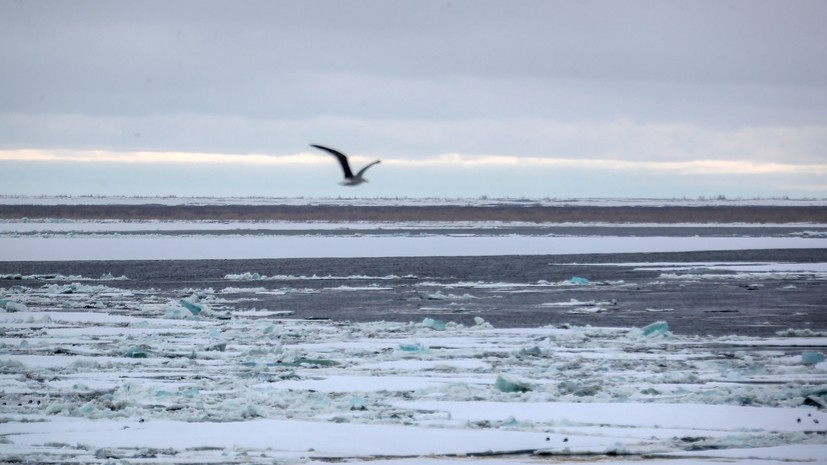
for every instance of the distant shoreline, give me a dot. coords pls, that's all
(670, 214)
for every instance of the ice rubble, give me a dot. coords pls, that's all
(439, 295)
(60, 277)
(132, 380)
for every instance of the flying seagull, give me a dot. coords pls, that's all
(350, 178)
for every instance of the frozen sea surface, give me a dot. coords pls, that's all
(149, 381)
(710, 350)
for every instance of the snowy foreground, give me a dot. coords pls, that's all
(94, 374)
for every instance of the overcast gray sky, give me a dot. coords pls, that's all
(458, 98)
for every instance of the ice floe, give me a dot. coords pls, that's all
(250, 247)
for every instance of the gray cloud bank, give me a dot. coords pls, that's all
(632, 80)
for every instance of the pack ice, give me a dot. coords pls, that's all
(105, 375)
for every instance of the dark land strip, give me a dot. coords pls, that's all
(528, 213)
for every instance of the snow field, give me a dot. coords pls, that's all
(115, 247)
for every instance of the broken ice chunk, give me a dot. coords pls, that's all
(506, 383)
(357, 403)
(12, 306)
(318, 362)
(437, 325)
(431, 295)
(218, 347)
(817, 400)
(439, 295)
(244, 277)
(658, 328)
(579, 280)
(411, 347)
(194, 308)
(579, 389)
(139, 351)
(811, 357)
(479, 322)
(532, 352)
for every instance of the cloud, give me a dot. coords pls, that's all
(430, 60)
(453, 161)
(620, 140)
(160, 158)
(693, 167)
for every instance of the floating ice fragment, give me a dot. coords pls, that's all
(357, 403)
(807, 332)
(578, 389)
(299, 362)
(12, 306)
(506, 383)
(219, 347)
(194, 308)
(479, 322)
(817, 400)
(586, 310)
(243, 277)
(811, 357)
(579, 280)
(24, 344)
(439, 295)
(437, 325)
(658, 328)
(319, 362)
(411, 347)
(139, 351)
(532, 352)
(432, 295)
(174, 311)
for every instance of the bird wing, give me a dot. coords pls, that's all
(341, 157)
(362, 171)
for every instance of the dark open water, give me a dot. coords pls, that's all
(507, 291)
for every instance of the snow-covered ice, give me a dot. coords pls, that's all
(250, 247)
(127, 382)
